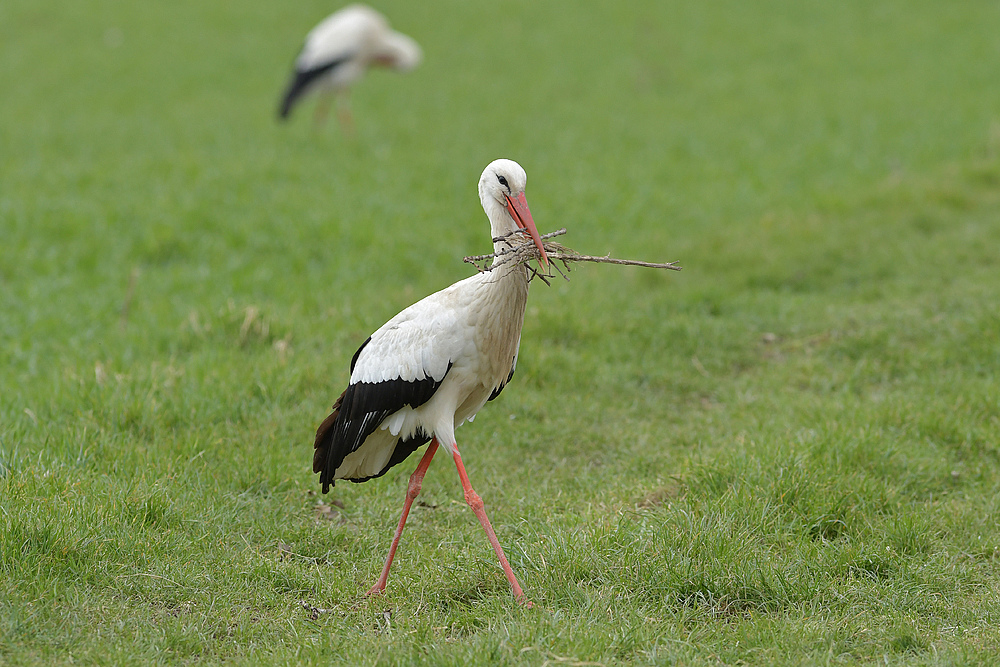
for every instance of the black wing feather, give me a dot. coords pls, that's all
(358, 413)
(354, 359)
(300, 83)
(496, 392)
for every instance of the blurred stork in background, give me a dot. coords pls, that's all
(338, 51)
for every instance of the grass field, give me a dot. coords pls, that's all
(789, 453)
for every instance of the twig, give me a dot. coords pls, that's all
(607, 259)
(314, 612)
(129, 293)
(526, 251)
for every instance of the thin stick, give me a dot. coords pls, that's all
(129, 293)
(607, 259)
(314, 612)
(526, 251)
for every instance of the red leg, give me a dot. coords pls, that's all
(476, 503)
(412, 491)
(344, 113)
(322, 108)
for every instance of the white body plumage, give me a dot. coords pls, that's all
(435, 364)
(466, 337)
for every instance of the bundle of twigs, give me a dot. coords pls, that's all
(520, 249)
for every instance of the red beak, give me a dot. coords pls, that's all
(518, 209)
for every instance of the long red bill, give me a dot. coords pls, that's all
(518, 209)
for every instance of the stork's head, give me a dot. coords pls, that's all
(396, 50)
(501, 190)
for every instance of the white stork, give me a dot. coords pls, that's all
(339, 50)
(432, 367)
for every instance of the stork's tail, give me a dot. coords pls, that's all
(324, 440)
(296, 88)
(302, 81)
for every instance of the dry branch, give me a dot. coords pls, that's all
(524, 251)
(314, 612)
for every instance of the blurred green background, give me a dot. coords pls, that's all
(785, 453)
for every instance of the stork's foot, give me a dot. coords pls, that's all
(375, 590)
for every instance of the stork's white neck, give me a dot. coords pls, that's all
(500, 221)
(502, 180)
(514, 273)
(502, 297)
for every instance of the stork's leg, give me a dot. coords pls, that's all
(322, 108)
(412, 491)
(476, 503)
(344, 112)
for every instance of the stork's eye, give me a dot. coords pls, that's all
(503, 181)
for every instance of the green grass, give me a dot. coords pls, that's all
(787, 453)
